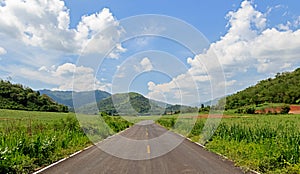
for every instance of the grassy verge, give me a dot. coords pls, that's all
(31, 140)
(265, 143)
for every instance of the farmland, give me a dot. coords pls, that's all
(30, 140)
(265, 143)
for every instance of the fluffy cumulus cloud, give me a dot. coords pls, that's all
(64, 77)
(146, 64)
(37, 35)
(45, 24)
(181, 89)
(68, 76)
(249, 44)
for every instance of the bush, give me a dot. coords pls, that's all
(245, 110)
(285, 109)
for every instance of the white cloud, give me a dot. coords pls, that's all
(44, 68)
(284, 26)
(37, 35)
(182, 89)
(2, 51)
(62, 76)
(46, 24)
(248, 45)
(133, 66)
(72, 77)
(100, 31)
(146, 64)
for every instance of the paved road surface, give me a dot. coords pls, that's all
(142, 149)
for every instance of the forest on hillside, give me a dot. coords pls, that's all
(283, 88)
(18, 97)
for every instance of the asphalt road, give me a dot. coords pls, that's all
(142, 149)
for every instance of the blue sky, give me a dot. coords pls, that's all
(56, 44)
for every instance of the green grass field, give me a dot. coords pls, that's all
(31, 140)
(265, 143)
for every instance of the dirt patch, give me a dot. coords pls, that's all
(295, 109)
(269, 110)
(209, 116)
(11, 119)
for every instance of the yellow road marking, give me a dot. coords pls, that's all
(148, 149)
(147, 132)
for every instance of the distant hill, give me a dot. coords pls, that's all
(129, 104)
(133, 104)
(16, 96)
(283, 88)
(86, 97)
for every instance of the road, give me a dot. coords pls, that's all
(145, 148)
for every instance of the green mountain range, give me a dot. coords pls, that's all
(66, 97)
(133, 104)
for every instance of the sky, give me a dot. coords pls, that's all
(175, 51)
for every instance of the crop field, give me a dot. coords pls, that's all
(265, 143)
(31, 140)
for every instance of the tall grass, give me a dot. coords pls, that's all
(30, 140)
(269, 144)
(27, 144)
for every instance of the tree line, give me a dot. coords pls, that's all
(18, 97)
(283, 88)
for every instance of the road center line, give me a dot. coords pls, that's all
(148, 149)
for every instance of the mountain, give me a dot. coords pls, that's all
(121, 101)
(133, 104)
(283, 88)
(129, 104)
(16, 96)
(66, 98)
(126, 103)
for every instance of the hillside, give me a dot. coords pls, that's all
(15, 96)
(65, 97)
(129, 104)
(134, 104)
(283, 88)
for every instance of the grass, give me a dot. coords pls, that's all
(31, 140)
(265, 143)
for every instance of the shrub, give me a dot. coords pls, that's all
(285, 109)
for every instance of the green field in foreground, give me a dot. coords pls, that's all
(30, 140)
(265, 143)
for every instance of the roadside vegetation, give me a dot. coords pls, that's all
(257, 132)
(30, 140)
(265, 143)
